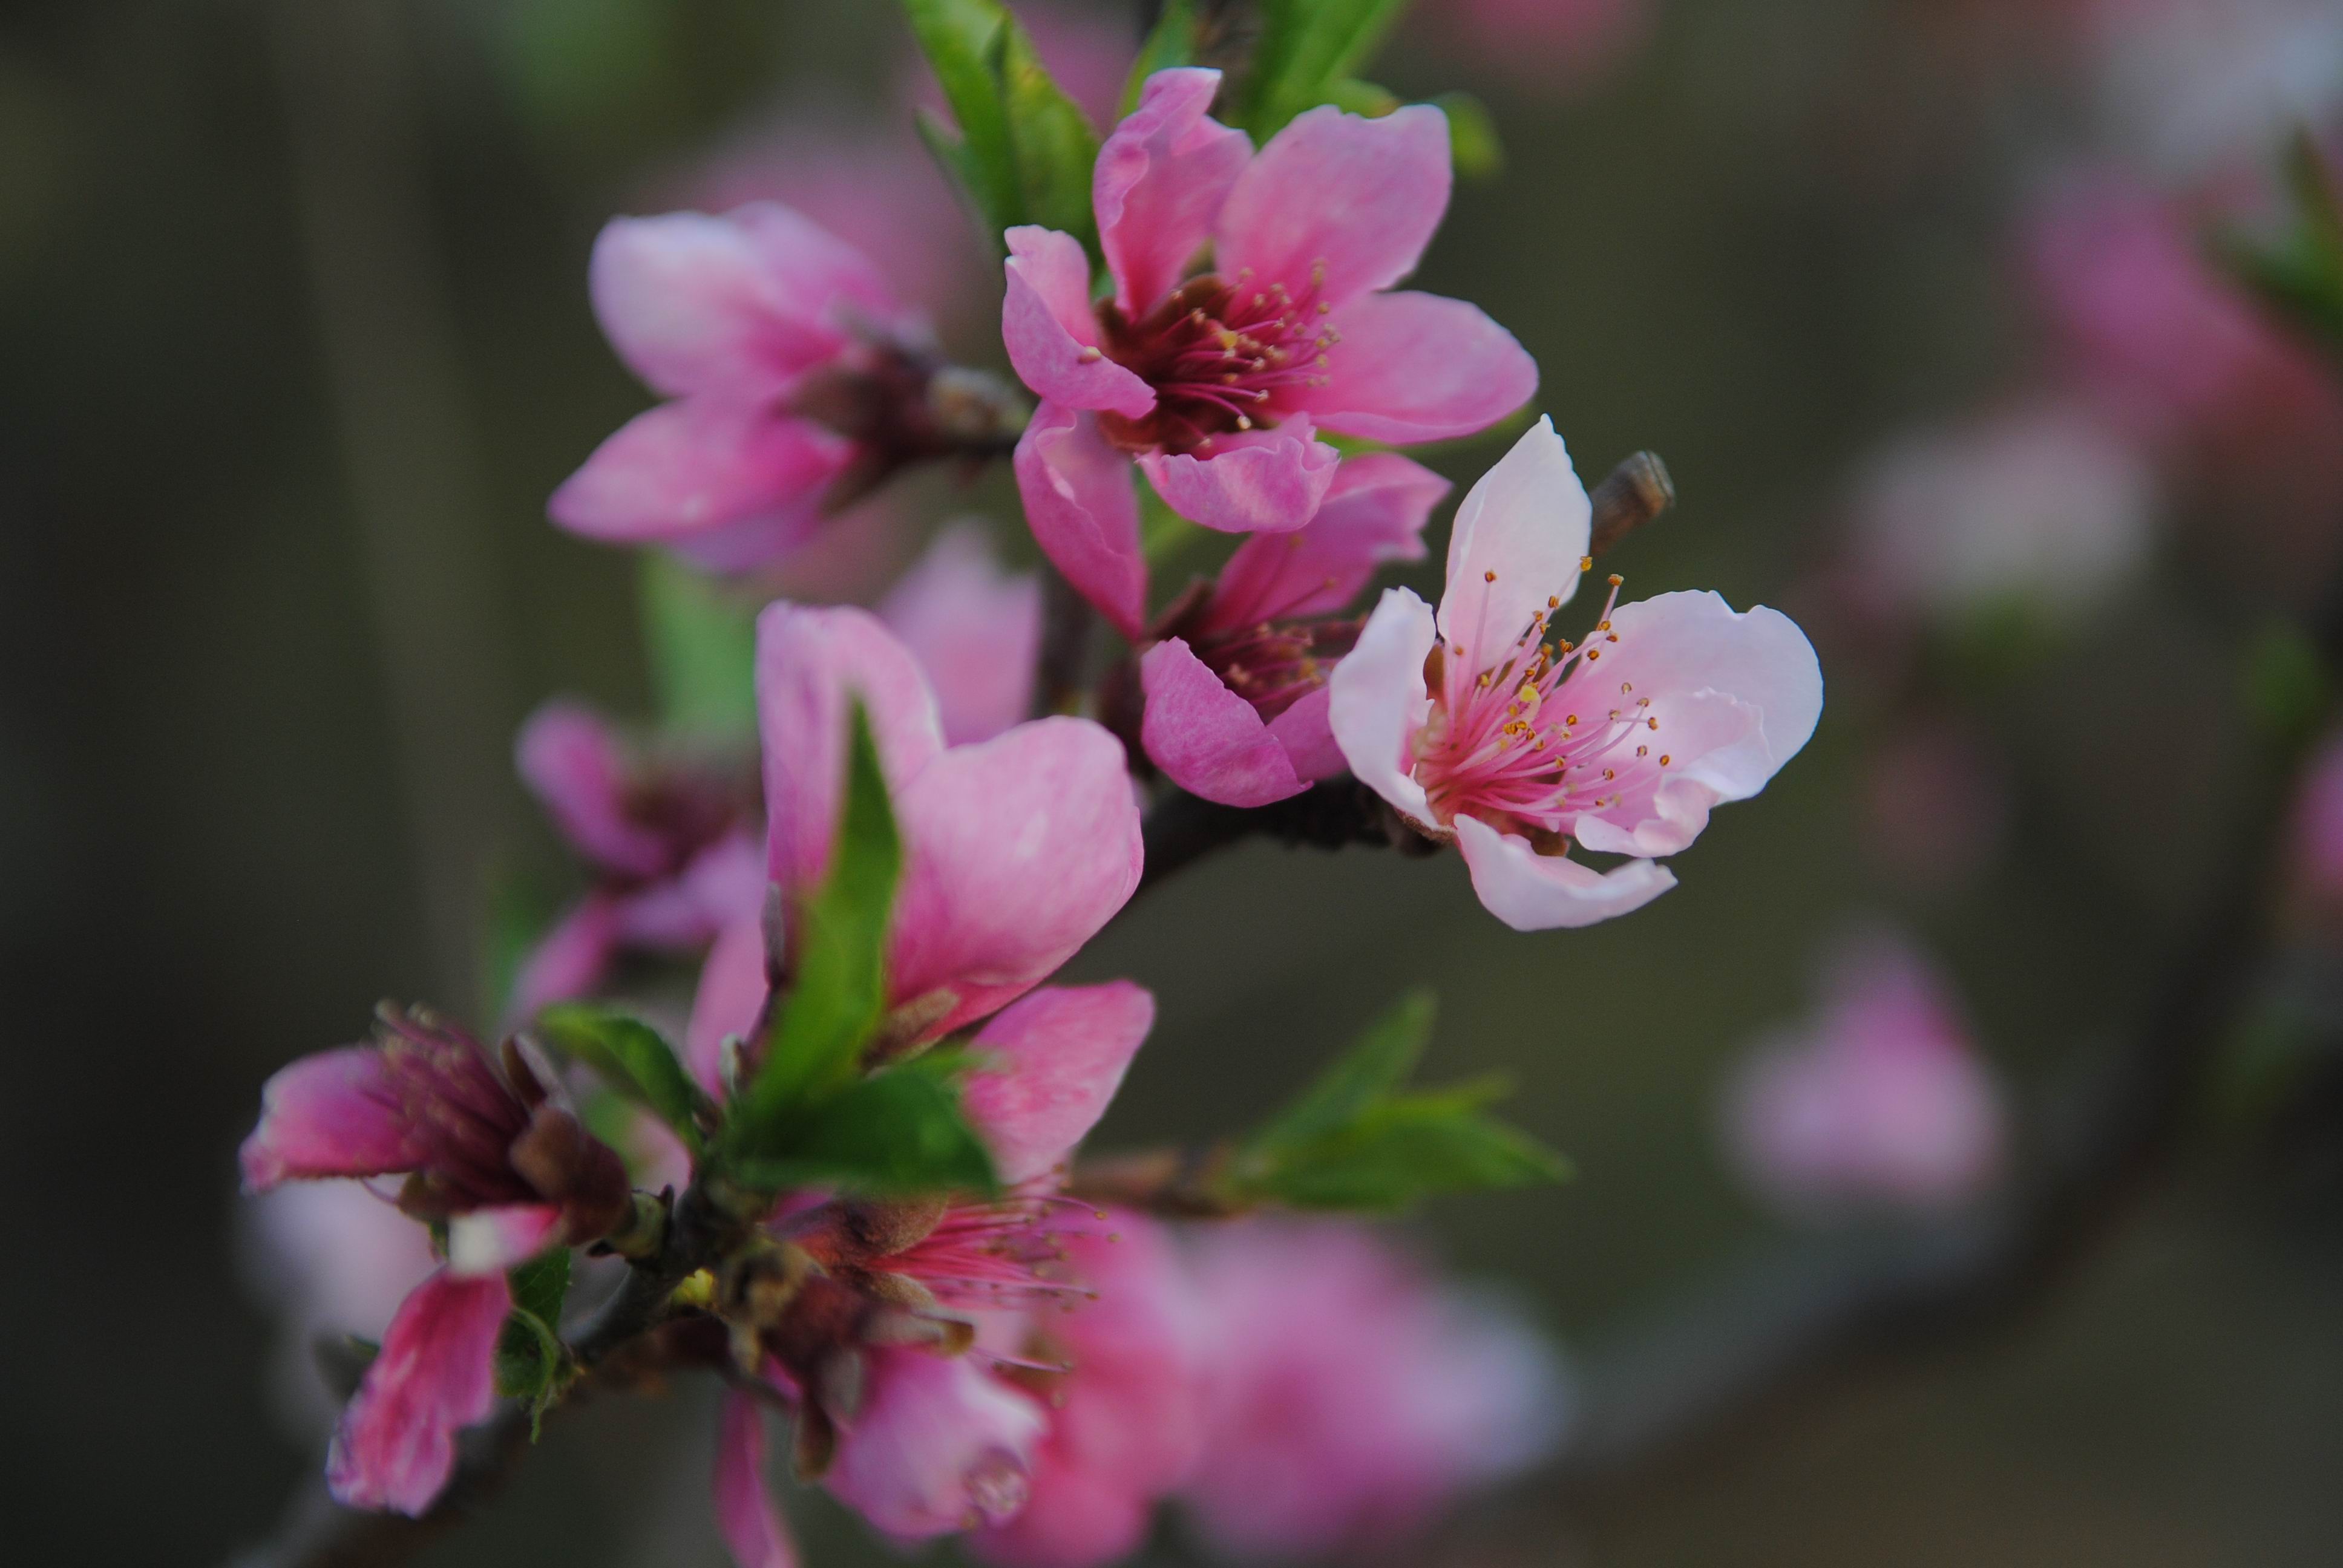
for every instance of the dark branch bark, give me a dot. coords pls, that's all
(1181, 829)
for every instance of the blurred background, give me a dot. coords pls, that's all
(293, 308)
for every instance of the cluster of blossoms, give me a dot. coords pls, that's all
(1019, 1361)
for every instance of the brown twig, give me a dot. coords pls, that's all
(1181, 829)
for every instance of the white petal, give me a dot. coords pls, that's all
(1534, 892)
(1517, 541)
(1377, 698)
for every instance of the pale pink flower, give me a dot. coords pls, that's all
(671, 841)
(747, 322)
(745, 1513)
(2183, 85)
(1478, 731)
(1016, 850)
(2317, 840)
(396, 1445)
(975, 629)
(1235, 683)
(329, 1259)
(1216, 385)
(2042, 504)
(1348, 1396)
(1880, 1100)
(939, 1445)
(1126, 1415)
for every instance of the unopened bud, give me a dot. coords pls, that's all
(1638, 490)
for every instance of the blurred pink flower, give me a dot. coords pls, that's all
(1475, 731)
(2317, 836)
(1235, 690)
(329, 1259)
(1216, 385)
(1880, 1100)
(1126, 1416)
(2183, 86)
(1017, 848)
(741, 320)
(396, 1445)
(2041, 505)
(1348, 1396)
(975, 629)
(939, 1445)
(1550, 47)
(671, 841)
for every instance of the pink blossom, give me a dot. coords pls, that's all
(671, 842)
(1236, 686)
(975, 629)
(1016, 850)
(745, 1513)
(2042, 504)
(1477, 731)
(329, 1259)
(1216, 385)
(743, 321)
(1880, 1100)
(1348, 1397)
(1126, 1415)
(2317, 840)
(396, 1445)
(485, 1143)
(939, 1445)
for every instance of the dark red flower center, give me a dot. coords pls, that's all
(1220, 357)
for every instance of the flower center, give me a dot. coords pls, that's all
(1219, 355)
(1273, 666)
(1527, 745)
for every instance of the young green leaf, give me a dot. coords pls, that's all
(635, 1059)
(898, 1131)
(1307, 47)
(837, 990)
(2300, 274)
(530, 1359)
(703, 650)
(1370, 1071)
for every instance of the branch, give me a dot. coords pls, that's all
(1181, 829)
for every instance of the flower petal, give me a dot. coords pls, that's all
(1359, 198)
(1052, 1060)
(809, 663)
(1306, 730)
(699, 468)
(731, 994)
(1375, 511)
(745, 1513)
(1689, 643)
(1261, 481)
(1207, 739)
(937, 1445)
(331, 1115)
(1159, 183)
(569, 960)
(1017, 852)
(396, 1444)
(490, 1241)
(1409, 366)
(1516, 543)
(1377, 700)
(1534, 892)
(974, 628)
(692, 304)
(1050, 332)
(572, 762)
(1084, 513)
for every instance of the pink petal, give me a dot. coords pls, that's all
(810, 662)
(1052, 1060)
(573, 763)
(974, 628)
(1263, 481)
(1084, 514)
(745, 1514)
(396, 1445)
(692, 307)
(722, 883)
(1360, 197)
(331, 1115)
(937, 1445)
(816, 270)
(1534, 892)
(1517, 542)
(569, 960)
(1207, 739)
(731, 994)
(700, 468)
(1377, 700)
(490, 1241)
(1374, 512)
(1411, 367)
(1306, 730)
(1050, 332)
(1159, 183)
(1018, 850)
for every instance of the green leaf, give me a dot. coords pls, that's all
(1356, 1140)
(635, 1059)
(530, 1359)
(2300, 274)
(702, 646)
(1368, 1071)
(838, 991)
(1024, 150)
(1307, 47)
(899, 1130)
(1474, 144)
